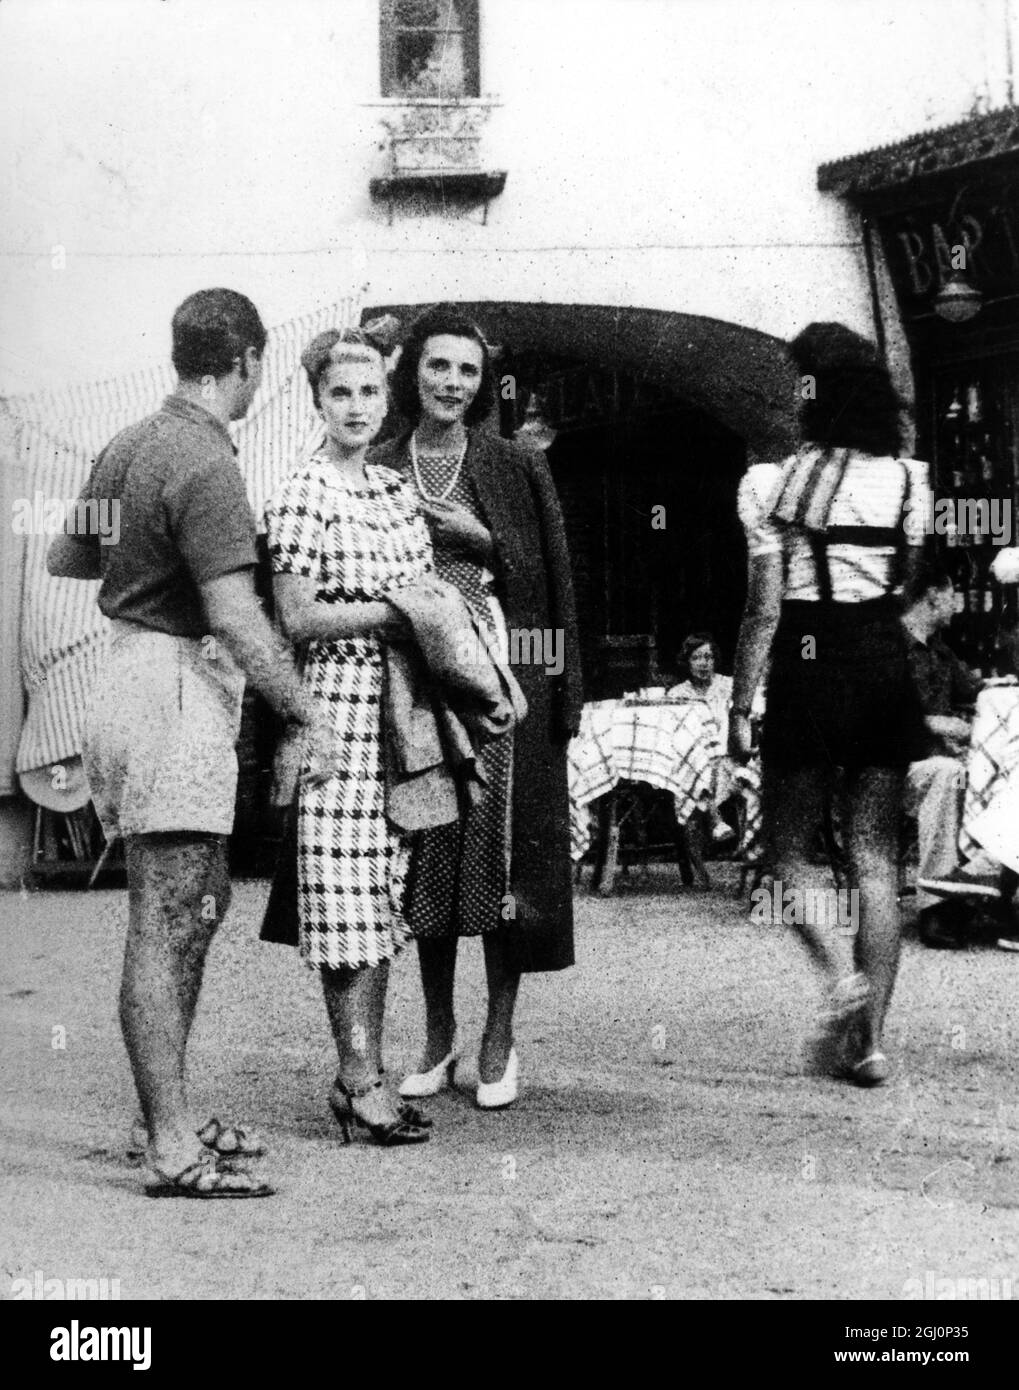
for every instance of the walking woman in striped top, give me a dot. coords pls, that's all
(833, 534)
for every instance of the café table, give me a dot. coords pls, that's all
(992, 765)
(661, 743)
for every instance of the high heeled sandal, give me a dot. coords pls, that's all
(339, 1102)
(429, 1083)
(342, 1102)
(411, 1113)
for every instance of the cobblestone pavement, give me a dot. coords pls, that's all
(665, 1144)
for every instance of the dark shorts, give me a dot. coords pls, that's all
(839, 691)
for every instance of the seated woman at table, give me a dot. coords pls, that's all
(831, 539)
(699, 657)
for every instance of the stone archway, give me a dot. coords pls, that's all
(665, 409)
(738, 375)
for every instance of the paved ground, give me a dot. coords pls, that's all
(665, 1145)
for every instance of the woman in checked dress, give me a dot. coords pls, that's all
(342, 534)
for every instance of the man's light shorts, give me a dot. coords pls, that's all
(160, 737)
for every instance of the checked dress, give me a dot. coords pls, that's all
(358, 544)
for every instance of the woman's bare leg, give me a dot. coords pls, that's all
(874, 811)
(503, 984)
(437, 959)
(356, 1005)
(792, 802)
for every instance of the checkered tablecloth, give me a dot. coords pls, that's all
(993, 762)
(748, 780)
(664, 745)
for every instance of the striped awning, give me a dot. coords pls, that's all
(56, 438)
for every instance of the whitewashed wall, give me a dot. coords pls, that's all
(660, 152)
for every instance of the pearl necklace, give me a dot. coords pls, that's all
(439, 496)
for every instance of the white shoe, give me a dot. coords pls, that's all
(430, 1083)
(493, 1095)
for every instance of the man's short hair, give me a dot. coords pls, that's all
(212, 330)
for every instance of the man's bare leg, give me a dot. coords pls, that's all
(179, 891)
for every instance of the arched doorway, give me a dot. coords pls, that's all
(654, 414)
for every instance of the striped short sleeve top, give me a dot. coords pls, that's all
(873, 493)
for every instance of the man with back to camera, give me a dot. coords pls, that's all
(935, 784)
(159, 740)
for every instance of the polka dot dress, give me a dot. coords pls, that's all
(460, 872)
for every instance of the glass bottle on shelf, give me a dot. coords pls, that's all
(957, 563)
(986, 462)
(990, 625)
(952, 472)
(981, 608)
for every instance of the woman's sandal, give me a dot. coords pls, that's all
(339, 1104)
(411, 1113)
(411, 1127)
(210, 1177)
(229, 1141)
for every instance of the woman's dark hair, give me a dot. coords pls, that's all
(336, 345)
(850, 401)
(440, 319)
(692, 644)
(212, 329)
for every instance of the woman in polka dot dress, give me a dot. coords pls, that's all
(502, 872)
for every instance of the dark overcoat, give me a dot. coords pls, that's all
(533, 583)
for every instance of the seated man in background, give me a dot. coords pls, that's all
(989, 843)
(935, 784)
